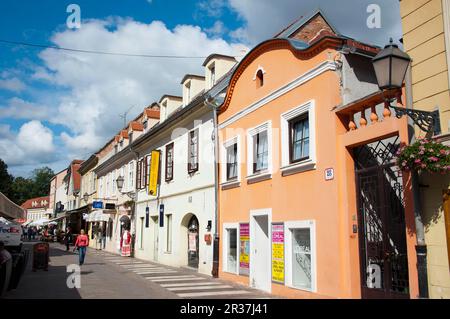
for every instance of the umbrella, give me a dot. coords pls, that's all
(40, 222)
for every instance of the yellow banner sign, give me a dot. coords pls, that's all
(154, 173)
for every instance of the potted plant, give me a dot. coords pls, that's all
(425, 155)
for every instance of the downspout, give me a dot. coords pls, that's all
(133, 234)
(215, 268)
(421, 247)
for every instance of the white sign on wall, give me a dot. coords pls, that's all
(329, 174)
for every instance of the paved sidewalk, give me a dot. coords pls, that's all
(108, 276)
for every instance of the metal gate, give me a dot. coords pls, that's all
(381, 219)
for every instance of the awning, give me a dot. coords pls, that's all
(40, 222)
(100, 215)
(10, 209)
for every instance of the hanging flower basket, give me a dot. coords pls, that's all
(424, 156)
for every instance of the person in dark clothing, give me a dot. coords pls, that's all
(29, 233)
(68, 238)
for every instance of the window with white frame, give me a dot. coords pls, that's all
(230, 160)
(169, 233)
(100, 187)
(301, 255)
(298, 136)
(193, 151)
(230, 248)
(108, 179)
(113, 181)
(130, 176)
(259, 141)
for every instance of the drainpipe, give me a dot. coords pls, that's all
(133, 213)
(215, 268)
(421, 247)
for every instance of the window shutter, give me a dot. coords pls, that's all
(138, 174)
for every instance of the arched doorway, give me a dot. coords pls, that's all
(193, 242)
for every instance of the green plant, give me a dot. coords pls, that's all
(424, 155)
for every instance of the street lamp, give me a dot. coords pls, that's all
(86, 197)
(391, 65)
(119, 182)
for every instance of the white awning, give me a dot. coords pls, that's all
(101, 215)
(40, 222)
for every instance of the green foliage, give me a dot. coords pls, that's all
(20, 189)
(424, 155)
(6, 179)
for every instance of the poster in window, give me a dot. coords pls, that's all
(244, 248)
(278, 253)
(192, 241)
(301, 267)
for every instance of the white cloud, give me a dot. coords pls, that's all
(218, 29)
(12, 84)
(18, 108)
(103, 86)
(32, 145)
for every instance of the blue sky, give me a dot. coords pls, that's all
(56, 106)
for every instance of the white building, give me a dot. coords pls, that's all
(175, 227)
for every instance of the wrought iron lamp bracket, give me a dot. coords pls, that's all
(427, 121)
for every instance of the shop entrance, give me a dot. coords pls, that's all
(193, 242)
(381, 219)
(260, 252)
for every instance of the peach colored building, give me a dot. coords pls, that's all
(311, 204)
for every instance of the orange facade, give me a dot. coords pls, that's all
(314, 198)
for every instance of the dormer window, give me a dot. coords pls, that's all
(259, 78)
(121, 144)
(188, 92)
(130, 136)
(213, 75)
(145, 125)
(115, 149)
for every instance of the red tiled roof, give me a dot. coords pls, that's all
(136, 126)
(29, 203)
(124, 134)
(152, 113)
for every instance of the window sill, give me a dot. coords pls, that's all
(299, 288)
(304, 166)
(230, 184)
(259, 177)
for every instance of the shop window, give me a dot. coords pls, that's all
(230, 248)
(300, 255)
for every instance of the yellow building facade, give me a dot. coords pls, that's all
(426, 38)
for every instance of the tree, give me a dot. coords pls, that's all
(22, 190)
(6, 180)
(41, 181)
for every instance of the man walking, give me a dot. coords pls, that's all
(81, 243)
(68, 238)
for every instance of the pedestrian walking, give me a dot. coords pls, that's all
(68, 237)
(81, 244)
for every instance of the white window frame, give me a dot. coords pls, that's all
(131, 172)
(251, 133)
(288, 225)
(226, 243)
(169, 233)
(310, 163)
(113, 180)
(225, 145)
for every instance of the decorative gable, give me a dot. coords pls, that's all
(314, 29)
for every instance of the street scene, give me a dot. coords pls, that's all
(248, 150)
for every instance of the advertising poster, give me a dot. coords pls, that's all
(154, 173)
(278, 253)
(244, 249)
